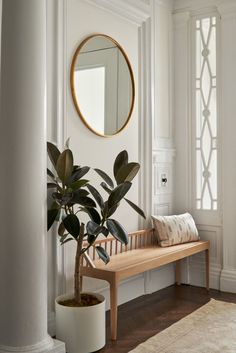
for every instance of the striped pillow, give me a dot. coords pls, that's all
(171, 230)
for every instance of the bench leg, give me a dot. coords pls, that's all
(178, 272)
(113, 310)
(207, 259)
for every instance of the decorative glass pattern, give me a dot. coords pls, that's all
(206, 114)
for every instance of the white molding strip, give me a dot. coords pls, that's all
(228, 280)
(165, 3)
(61, 106)
(134, 11)
(225, 7)
(145, 118)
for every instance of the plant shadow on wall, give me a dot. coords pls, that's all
(73, 196)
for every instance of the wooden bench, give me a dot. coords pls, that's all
(140, 255)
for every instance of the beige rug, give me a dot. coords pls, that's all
(210, 329)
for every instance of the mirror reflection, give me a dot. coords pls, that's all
(102, 85)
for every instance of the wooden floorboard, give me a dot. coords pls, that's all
(145, 316)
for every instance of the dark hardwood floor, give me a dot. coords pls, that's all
(145, 316)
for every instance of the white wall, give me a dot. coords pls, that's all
(85, 19)
(139, 33)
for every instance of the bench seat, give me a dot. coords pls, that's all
(142, 254)
(134, 261)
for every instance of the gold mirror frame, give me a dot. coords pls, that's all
(73, 87)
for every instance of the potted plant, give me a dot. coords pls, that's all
(72, 196)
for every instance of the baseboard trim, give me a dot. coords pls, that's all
(228, 280)
(47, 346)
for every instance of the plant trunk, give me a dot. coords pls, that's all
(77, 277)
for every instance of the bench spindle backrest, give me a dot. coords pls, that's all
(137, 240)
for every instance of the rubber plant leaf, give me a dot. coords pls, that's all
(105, 177)
(77, 174)
(127, 172)
(50, 174)
(78, 184)
(53, 153)
(93, 228)
(105, 187)
(72, 225)
(84, 201)
(120, 161)
(118, 232)
(93, 214)
(136, 208)
(102, 254)
(118, 193)
(52, 215)
(96, 195)
(64, 165)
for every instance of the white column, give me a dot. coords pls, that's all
(228, 80)
(23, 276)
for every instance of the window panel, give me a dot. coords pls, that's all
(206, 114)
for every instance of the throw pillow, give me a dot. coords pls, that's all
(177, 229)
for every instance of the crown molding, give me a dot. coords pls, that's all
(187, 5)
(134, 11)
(165, 3)
(225, 7)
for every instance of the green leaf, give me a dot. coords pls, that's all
(93, 214)
(49, 173)
(77, 174)
(105, 210)
(118, 193)
(78, 184)
(79, 193)
(61, 229)
(112, 210)
(105, 177)
(96, 195)
(105, 187)
(105, 231)
(136, 208)
(72, 225)
(93, 228)
(53, 153)
(91, 239)
(102, 254)
(127, 172)
(64, 165)
(120, 161)
(84, 201)
(66, 241)
(52, 215)
(118, 232)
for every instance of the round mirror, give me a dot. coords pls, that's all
(102, 85)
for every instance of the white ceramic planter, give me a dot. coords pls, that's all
(82, 329)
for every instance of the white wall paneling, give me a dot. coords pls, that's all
(219, 227)
(197, 262)
(227, 10)
(131, 24)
